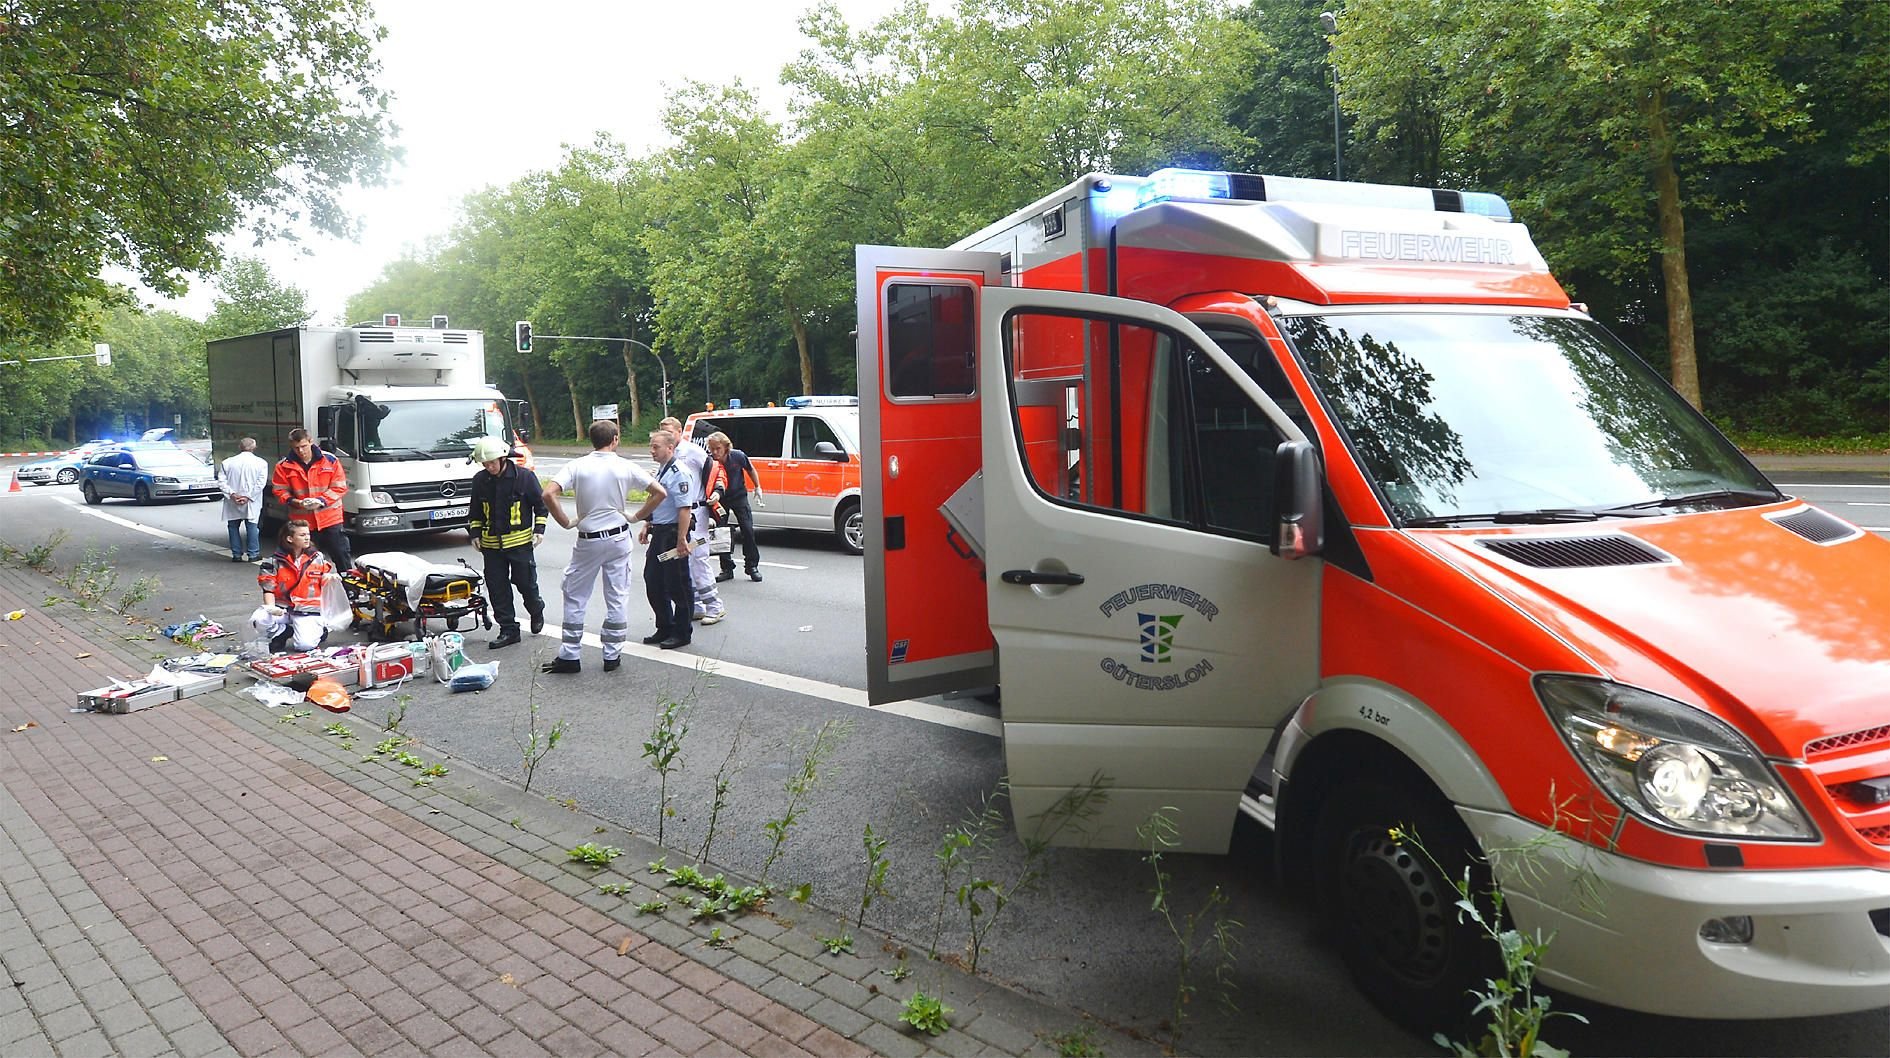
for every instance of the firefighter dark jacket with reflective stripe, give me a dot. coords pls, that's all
(506, 509)
(321, 478)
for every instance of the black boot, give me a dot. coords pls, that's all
(562, 665)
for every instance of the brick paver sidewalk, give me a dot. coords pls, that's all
(198, 879)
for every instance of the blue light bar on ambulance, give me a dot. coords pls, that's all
(823, 402)
(1197, 184)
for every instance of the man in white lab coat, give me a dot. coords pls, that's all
(245, 481)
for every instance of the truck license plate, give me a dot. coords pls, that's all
(443, 513)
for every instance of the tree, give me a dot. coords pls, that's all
(251, 300)
(133, 132)
(1596, 114)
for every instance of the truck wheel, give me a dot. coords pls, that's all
(849, 524)
(1394, 911)
(68, 476)
(142, 493)
(92, 498)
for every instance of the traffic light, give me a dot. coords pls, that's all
(524, 336)
(102, 354)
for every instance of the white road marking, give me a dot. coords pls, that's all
(781, 681)
(783, 565)
(146, 529)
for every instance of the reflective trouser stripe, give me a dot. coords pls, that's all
(702, 577)
(611, 557)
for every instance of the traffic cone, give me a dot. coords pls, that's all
(15, 478)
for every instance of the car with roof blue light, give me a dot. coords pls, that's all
(146, 472)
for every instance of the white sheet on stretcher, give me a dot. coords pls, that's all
(409, 571)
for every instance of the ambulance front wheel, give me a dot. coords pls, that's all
(849, 524)
(1393, 908)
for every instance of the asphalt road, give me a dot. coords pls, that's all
(788, 660)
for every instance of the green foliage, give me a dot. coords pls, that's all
(1516, 1011)
(926, 1013)
(595, 855)
(251, 299)
(841, 945)
(93, 577)
(1077, 1043)
(39, 556)
(536, 741)
(800, 786)
(874, 885)
(138, 132)
(1158, 832)
(661, 750)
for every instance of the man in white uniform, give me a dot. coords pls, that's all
(694, 461)
(245, 480)
(602, 483)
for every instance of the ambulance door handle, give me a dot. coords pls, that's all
(1032, 576)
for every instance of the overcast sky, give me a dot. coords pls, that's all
(486, 91)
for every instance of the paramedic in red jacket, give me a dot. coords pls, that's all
(291, 582)
(310, 482)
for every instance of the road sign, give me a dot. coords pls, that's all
(603, 411)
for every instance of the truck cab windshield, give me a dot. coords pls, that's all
(426, 429)
(1466, 417)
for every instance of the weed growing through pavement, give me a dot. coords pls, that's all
(1515, 1010)
(538, 741)
(724, 777)
(800, 786)
(956, 849)
(652, 907)
(841, 945)
(715, 938)
(1158, 833)
(408, 759)
(926, 1013)
(617, 888)
(339, 730)
(1074, 809)
(397, 715)
(898, 973)
(39, 556)
(92, 578)
(594, 854)
(662, 749)
(1077, 1043)
(877, 865)
(141, 589)
(294, 715)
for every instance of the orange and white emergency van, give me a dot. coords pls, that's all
(1320, 502)
(806, 456)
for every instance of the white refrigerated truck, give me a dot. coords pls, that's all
(400, 407)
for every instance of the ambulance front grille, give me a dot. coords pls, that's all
(1576, 552)
(1816, 526)
(1820, 746)
(1875, 835)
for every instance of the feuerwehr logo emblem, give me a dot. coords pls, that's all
(1158, 636)
(1155, 638)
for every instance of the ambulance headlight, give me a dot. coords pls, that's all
(1671, 764)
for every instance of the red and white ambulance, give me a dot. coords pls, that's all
(1321, 503)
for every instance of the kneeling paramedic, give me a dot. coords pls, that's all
(291, 582)
(507, 523)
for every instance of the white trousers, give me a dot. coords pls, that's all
(702, 568)
(609, 555)
(305, 630)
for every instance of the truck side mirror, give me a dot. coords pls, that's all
(325, 425)
(1299, 499)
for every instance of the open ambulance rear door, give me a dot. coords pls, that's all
(1113, 533)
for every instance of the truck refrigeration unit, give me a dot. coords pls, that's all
(400, 407)
(1321, 503)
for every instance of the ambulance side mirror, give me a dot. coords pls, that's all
(1299, 499)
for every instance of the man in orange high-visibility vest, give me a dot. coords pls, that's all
(311, 483)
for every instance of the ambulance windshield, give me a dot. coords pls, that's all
(1492, 417)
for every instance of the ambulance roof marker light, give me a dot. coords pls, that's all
(1204, 185)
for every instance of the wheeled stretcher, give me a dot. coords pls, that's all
(393, 587)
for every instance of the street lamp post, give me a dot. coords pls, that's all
(1329, 24)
